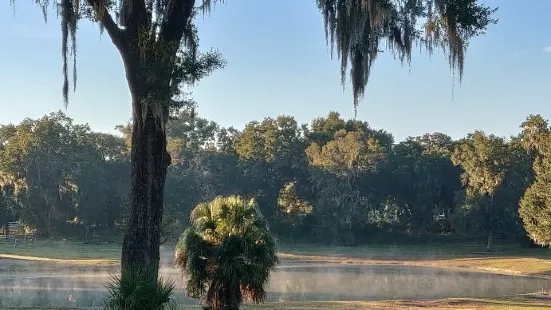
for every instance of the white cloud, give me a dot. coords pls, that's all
(547, 49)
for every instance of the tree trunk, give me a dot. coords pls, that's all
(150, 160)
(491, 205)
(489, 243)
(6, 229)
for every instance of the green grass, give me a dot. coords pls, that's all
(507, 259)
(60, 250)
(515, 303)
(436, 251)
(456, 303)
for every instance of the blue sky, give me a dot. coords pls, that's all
(278, 63)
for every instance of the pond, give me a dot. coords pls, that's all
(49, 285)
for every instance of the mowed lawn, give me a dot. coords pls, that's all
(516, 303)
(65, 252)
(505, 259)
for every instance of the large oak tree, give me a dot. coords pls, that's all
(158, 46)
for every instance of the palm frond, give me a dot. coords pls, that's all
(139, 288)
(229, 259)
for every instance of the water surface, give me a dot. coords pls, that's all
(52, 285)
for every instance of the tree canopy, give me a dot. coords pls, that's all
(536, 203)
(332, 181)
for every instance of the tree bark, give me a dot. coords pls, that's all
(147, 80)
(490, 233)
(148, 172)
(6, 229)
(489, 243)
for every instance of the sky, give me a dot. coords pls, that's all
(279, 63)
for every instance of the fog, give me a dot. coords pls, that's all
(31, 284)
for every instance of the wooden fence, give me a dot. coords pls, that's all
(17, 233)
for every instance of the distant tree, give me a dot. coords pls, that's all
(323, 129)
(60, 172)
(102, 182)
(40, 157)
(423, 183)
(518, 178)
(535, 205)
(271, 153)
(486, 161)
(435, 143)
(227, 253)
(535, 130)
(339, 166)
(7, 204)
(195, 132)
(224, 140)
(293, 210)
(343, 189)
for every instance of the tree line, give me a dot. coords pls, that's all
(330, 181)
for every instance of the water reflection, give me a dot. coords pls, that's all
(55, 286)
(381, 282)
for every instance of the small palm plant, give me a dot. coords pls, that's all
(227, 254)
(139, 289)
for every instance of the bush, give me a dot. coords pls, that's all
(139, 289)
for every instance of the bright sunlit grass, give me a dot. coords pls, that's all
(505, 259)
(51, 251)
(516, 303)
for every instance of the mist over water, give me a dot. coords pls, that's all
(24, 284)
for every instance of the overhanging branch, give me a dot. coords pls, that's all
(138, 16)
(177, 19)
(115, 33)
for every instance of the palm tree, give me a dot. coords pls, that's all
(227, 253)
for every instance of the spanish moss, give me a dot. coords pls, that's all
(69, 18)
(158, 13)
(358, 27)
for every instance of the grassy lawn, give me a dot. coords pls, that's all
(52, 251)
(482, 304)
(505, 259)
(516, 303)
